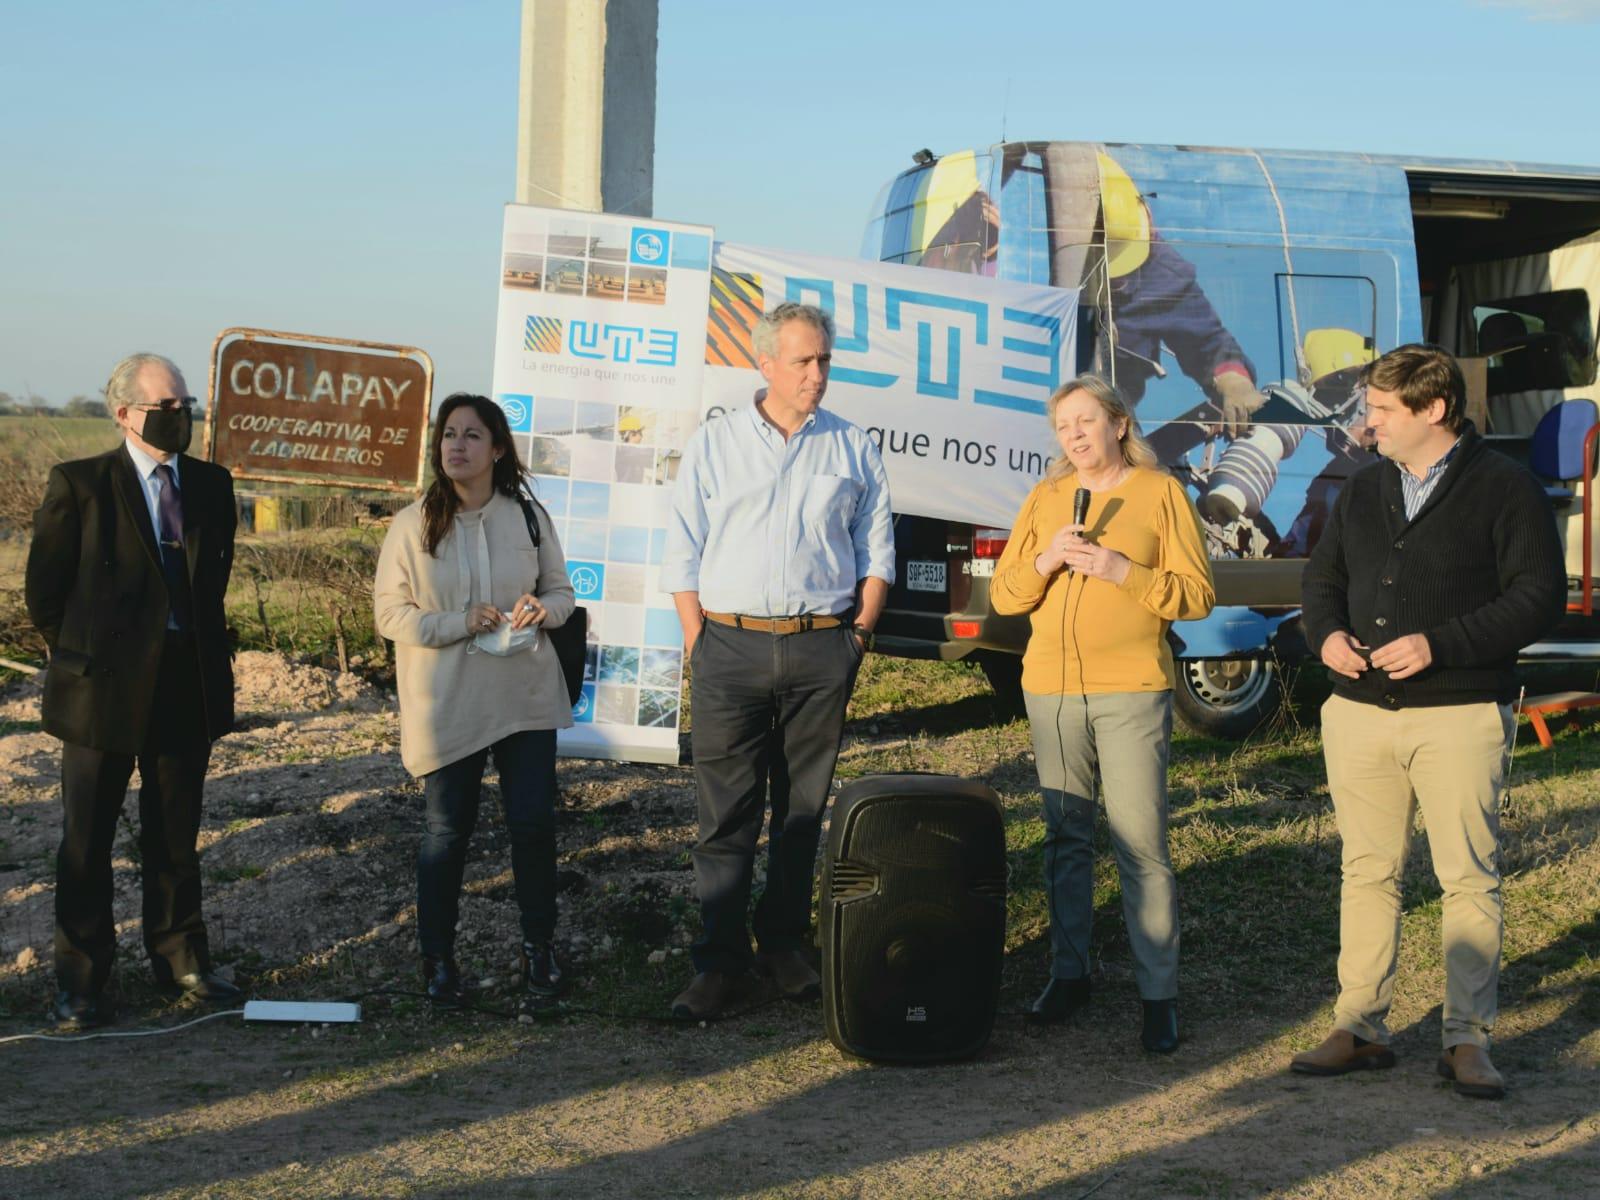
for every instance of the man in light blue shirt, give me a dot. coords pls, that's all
(779, 559)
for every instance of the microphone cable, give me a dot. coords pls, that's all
(1080, 513)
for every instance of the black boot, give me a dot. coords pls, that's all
(542, 980)
(1059, 1000)
(442, 978)
(1160, 1033)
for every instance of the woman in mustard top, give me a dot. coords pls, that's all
(1097, 680)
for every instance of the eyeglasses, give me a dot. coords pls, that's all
(167, 404)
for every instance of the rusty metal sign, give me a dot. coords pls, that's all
(298, 408)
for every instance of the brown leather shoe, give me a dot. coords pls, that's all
(795, 977)
(704, 998)
(1340, 1053)
(1468, 1064)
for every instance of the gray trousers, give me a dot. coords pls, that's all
(1127, 735)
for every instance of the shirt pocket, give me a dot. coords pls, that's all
(828, 503)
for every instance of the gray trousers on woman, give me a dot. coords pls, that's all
(1127, 734)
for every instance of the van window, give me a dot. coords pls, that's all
(1327, 331)
(1537, 342)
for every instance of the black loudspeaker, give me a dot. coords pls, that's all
(913, 917)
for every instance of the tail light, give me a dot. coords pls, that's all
(966, 629)
(989, 543)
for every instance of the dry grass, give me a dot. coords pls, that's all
(411, 1104)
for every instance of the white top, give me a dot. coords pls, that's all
(453, 703)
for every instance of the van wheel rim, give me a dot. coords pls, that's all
(1228, 682)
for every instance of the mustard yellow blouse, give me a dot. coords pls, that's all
(1090, 635)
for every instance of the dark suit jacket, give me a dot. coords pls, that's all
(96, 592)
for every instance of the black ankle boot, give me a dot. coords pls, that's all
(442, 978)
(541, 974)
(1160, 1033)
(1059, 1000)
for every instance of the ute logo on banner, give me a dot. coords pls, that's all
(948, 374)
(594, 340)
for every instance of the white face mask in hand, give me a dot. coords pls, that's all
(504, 641)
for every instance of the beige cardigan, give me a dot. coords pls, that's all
(453, 703)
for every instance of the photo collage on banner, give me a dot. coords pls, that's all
(599, 351)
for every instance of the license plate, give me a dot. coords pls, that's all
(925, 576)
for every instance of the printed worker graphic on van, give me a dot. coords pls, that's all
(1072, 214)
(1152, 298)
(1138, 285)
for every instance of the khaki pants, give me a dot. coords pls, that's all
(1382, 764)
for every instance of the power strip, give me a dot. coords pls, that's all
(321, 1012)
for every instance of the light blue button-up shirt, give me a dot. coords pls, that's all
(769, 528)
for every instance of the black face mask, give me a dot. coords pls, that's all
(168, 429)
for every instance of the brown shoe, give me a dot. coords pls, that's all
(792, 973)
(1474, 1074)
(704, 998)
(1341, 1053)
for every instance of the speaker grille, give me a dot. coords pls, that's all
(913, 917)
(991, 885)
(852, 881)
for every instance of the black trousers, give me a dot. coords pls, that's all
(172, 771)
(768, 714)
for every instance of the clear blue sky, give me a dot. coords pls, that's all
(171, 169)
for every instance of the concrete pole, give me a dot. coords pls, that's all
(586, 111)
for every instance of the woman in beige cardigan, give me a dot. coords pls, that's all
(463, 592)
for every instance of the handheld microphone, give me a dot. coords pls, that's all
(1080, 512)
(1080, 506)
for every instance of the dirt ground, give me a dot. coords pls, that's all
(308, 844)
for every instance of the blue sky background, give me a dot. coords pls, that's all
(171, 169)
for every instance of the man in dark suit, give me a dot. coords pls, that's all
(126, 576)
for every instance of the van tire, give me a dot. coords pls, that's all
(1226, 698)
(1004, 673)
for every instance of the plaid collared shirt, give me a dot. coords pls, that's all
(1417, 491)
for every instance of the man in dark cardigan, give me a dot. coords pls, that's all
(1436, 568)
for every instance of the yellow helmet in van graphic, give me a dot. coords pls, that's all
(1330, 350)
(1125, 217)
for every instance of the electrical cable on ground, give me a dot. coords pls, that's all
(562, 1009)
(554, 1012)
(118, 1033)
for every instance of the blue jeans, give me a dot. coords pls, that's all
(527, 765)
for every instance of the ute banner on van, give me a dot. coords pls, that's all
(948, 373)
(598, 364)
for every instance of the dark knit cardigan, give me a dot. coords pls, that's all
(1479, 572)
